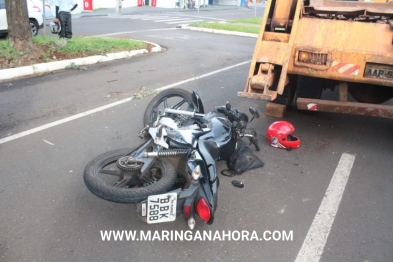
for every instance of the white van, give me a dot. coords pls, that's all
(35, 18)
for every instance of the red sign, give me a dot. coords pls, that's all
(87, 5)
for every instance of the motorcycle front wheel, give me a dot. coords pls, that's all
(173, 98)
(121, 183)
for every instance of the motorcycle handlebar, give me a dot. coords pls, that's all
(232, 114)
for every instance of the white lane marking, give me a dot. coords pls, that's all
(74, 117)
(136, 31)
(169, 19)
(318, 233)
(46, 141)
(184, 21)
(201, 76)
(206, 17)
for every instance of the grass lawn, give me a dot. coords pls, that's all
(248, 25)
(55, 49)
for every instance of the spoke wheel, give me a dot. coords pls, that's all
(171, 98)
(105, 178)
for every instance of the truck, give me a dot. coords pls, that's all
(305, 47)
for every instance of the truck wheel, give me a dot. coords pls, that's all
(368, 93)
(309, 87)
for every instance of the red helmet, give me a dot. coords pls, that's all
(279, 135)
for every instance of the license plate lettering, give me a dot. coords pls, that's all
(161, 208)
(378, 71)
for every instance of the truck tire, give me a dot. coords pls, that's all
(368, 93)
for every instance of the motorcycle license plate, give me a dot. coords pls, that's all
(161, 208)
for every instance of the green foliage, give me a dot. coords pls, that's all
(252, 20)
(7, 51)
(54, 48)
(99, 9)
(247, 25)
(88, 45)
(228, 27)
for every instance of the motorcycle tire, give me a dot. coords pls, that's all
(160, 101)
(126, 195)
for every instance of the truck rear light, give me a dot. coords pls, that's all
(187, 211)
(203, 210)
(312, 58)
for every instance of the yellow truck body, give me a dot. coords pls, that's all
(306, 46)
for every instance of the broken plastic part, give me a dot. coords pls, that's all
(237, 183)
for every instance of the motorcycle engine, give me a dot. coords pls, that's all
(169, 122)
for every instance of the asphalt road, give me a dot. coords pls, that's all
(47, 213)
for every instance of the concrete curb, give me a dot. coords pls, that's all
(10, 73)
(216, 31)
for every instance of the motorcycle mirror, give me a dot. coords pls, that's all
(228, 106)
(254, 112)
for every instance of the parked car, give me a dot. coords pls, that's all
(35, 18)
(37, 4)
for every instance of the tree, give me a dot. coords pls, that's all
(19, 31)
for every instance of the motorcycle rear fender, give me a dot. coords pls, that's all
(184, 197)
(197, 189)
(197, 102)
(207, 189)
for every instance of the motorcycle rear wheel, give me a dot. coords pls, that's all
(102, 171)
(174, 98)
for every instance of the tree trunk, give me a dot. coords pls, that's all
(19, 30)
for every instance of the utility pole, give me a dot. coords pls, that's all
(255, 8)
(199, 6)
(118, 6)
(44, 18)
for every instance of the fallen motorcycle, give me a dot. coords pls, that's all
(173, 172)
